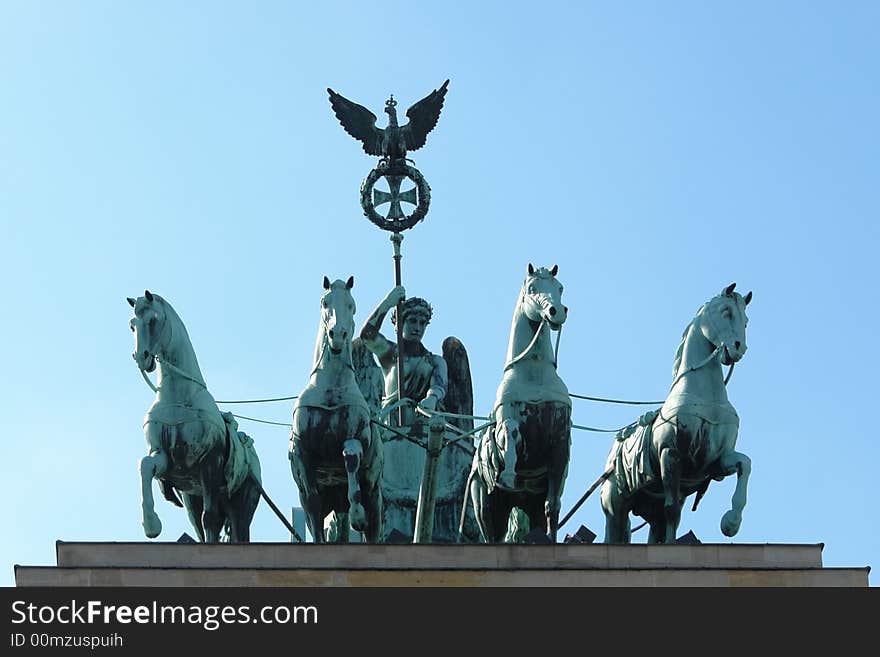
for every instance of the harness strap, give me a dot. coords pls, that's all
(179, 372)
(696, 367)
(318, 362)
(147, 379)
(556, 353)
(729, 373)
(525, 351)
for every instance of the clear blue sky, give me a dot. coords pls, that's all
(655, 151)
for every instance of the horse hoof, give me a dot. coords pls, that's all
(357, 517)
(730, 523)
(152, 526)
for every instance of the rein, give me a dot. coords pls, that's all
(556, 352)
(174, 368)
(526, 351)
(702, 363)
(153, 387)
(166, 363)
(605, 475)
(534, 341)
(324, 344)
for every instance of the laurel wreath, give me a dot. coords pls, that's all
(408, 221)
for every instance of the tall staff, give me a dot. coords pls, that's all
(397, 239)
(391, 145)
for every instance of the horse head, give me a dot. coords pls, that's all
(723, 323)
(542, 297)
(337, 314)
(148, 325)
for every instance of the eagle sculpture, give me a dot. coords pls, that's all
(393, 142)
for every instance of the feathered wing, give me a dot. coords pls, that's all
(460, 390)
(358, 121)
(460, 399)
(423, 116)
(368, 374)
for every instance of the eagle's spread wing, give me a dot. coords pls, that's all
(359, 122)
(423, 117)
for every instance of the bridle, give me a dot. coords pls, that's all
(325, 342)
(167, 364)
(709, 316)
(528, 297)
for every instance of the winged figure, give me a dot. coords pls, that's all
(394, 141)
(433, 382)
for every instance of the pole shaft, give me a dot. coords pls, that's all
(583, 499)
(276, 509)
(396, 239)
(424, 530)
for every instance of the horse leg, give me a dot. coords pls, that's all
(482, 503)
(373, 507)
(502, 505)
(194, 508)
(741, 464)
(507, 438)
(352, 451)
(304, 477)
(151, 467)
(551, 509)
(535, 508)
(212, 519)
(242, 506)
(656, 525)
(238, 533)
(336, 528)
(249, 501)
(557, 470)
(373, 531)
(303, 471)
(213, 484)
(670, 473)
(617, 524)
(656, 517)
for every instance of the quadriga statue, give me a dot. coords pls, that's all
(666, 455)
(196, 452)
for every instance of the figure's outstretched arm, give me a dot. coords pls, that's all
(439, 383)
(373, 339)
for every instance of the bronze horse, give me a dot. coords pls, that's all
(194, 450)
(524, 462)
(657, 462)
(335, 450)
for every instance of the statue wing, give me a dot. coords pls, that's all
(368, 374)
(423, 116)
(359, 122)
(460, 390)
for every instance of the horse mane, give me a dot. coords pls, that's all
(168, 309)
(181, 335)
(540, 272)
(178, 327)
(679, 352)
